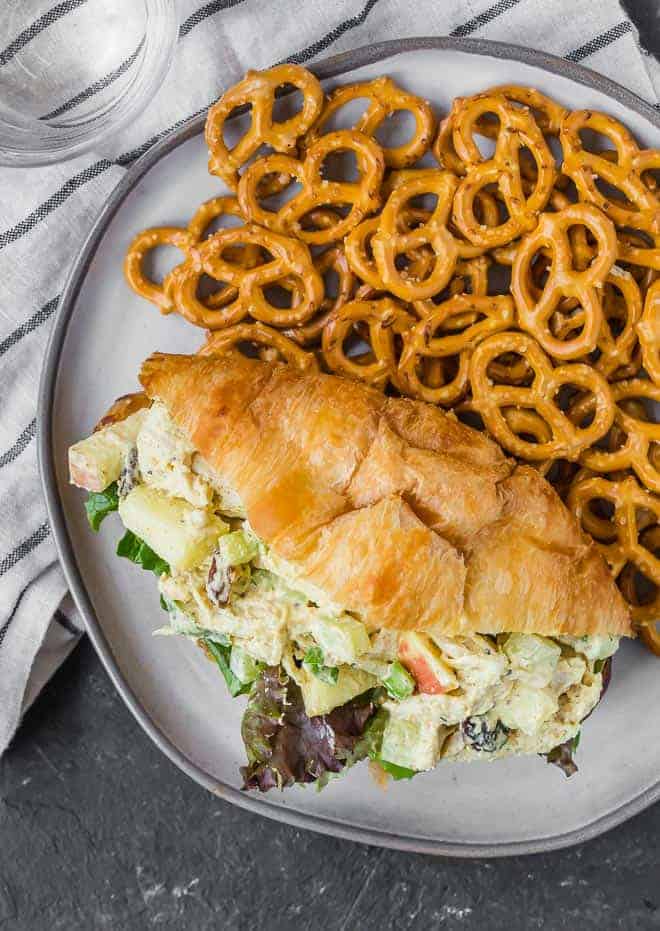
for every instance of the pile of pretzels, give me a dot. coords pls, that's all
(513, 277)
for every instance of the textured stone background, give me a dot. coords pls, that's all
(99, 831)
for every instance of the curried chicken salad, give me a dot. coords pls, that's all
(324, 691)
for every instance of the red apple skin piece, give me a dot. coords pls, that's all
(420, 668)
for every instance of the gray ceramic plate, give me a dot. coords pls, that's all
(100, 337)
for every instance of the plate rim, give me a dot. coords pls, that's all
(327, 68)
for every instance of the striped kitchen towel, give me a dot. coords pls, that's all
(46, 213)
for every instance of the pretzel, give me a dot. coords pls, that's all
(642, 210)
(257, 89)
(470, 277)
(518, 130)
(648, 331)
(568, 440)
(436, 336)
(547, 112)
(640, 249)
(385, 98)
(385, 319)
(289, 259)
(636, 512)
(183, 239)
(564, 280)
(485, 206)
(363, 196)
(334, 260)
(357, 244)
(640, 437)
(273, 345)
(388, 242)
(622, 305)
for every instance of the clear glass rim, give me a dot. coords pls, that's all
(34, 143)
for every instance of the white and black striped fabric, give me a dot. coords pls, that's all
(45, 214)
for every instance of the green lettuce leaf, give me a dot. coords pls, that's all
(397, 772)
(221, 654)
(135, 549)
(101, 503)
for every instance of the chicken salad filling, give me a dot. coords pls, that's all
(323, 689)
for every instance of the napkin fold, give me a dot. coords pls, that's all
(45, 213)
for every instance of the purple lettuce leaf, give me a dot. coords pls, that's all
(562, 756)
(284, 746)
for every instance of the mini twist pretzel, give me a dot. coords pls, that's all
(290, 259)
(547, 112)
(334, 260)
(358, 247)
(622, 305)
(389, 242)
(385, 319)
(272, 345)
(485, 205)
(442, 333)
(363, 196)
(518, 130)
(648, 330)
(258, 90)
(568, 440)
(564, 281)
(619, 537)
(640, 450)
(183, 239)
(385, 98)
(642, 211)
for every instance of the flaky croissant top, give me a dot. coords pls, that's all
(393, 508)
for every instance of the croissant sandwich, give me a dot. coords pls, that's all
(378, 578)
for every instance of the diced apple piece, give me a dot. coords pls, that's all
(181, 534)
(96, 462)
(342, 639)
(322, 697)
(412, 744)
(533, 658)
(526, 709)
(424, 660)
